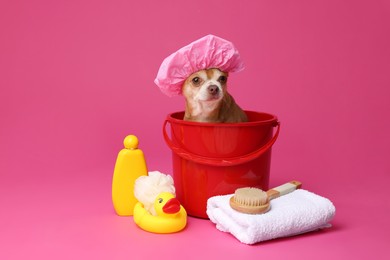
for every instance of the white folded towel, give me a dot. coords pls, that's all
(295, 213)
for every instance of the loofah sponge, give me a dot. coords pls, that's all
(147, 188)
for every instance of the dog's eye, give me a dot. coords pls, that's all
(222, 79)
(196, 80)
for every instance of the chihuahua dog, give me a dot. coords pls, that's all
(207, 99)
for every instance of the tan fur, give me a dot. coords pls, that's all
(207, 99)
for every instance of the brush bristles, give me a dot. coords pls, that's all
(252, 197)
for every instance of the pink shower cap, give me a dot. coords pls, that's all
(206, 53)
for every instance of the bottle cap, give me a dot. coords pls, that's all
(131, 142)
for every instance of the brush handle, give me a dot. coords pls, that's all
(283, 189)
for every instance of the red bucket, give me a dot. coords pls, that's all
(212, 159)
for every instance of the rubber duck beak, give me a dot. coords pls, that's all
(172, 206)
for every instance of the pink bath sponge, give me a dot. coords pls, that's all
(206, 53)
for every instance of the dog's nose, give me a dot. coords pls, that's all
(213, 89)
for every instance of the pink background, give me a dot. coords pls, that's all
(77, 76)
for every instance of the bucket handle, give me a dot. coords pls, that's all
(219, 161)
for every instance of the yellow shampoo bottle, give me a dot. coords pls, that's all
(130, 164)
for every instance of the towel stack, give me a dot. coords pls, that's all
(298, 212)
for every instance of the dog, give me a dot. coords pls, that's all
(207, 98)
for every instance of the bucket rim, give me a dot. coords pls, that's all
(272, 120)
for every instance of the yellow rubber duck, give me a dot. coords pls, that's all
(171, 216)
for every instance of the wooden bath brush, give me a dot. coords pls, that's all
(256, 201)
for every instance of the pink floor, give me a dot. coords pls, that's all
(76, 77)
